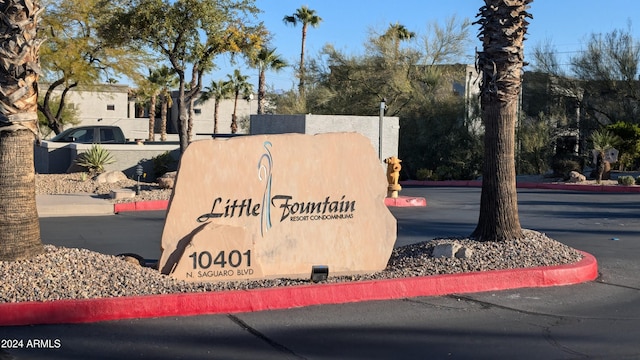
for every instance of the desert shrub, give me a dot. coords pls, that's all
(163, 163)
(424, 174)
(626, 180)
(536, 145)
(563, 165)
(95, 159)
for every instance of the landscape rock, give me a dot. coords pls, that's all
(447, 250)
(464, 253)
(168, 180)
(110, 177)
(576, 177)
(118, 194)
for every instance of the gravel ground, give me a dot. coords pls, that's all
(66, 273)
(54, 184)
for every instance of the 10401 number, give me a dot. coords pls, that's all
(233, 258)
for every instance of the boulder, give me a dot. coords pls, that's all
(168, 180)
(451, 250)
(278, 206)
(448, 250)
(576, 177)
(110, 177)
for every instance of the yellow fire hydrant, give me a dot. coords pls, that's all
(393, 175)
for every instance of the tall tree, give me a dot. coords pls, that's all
(398, 33)
(19, 68)
(188, 34)
(265, 59)
(446, 43)
(240, 87)
(503, 25)
(609, 69)
(146, 94)
(75, 55)
(218, 90)
(306, 17)
(165, 79)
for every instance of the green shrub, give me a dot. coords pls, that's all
(562, 166)
(162, 163)
(626, 180)
(424, 174)
(95, 159)
(629, 146)
(638, 180)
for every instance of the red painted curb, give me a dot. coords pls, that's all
(223, 302)
(141, 206)
(405, 201)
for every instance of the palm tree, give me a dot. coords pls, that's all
(603, 140)
(147, 93)
(265, 59)
(397, 33)
(502, 30)
(19, 226)
(218, 90)
(307, 17)
(165, 78)
(239, 85)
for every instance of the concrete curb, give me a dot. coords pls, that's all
(237, 301)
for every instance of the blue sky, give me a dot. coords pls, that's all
(567, 24)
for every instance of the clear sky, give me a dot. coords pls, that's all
(567, 24)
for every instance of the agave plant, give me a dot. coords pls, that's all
(95, 159)
(603, 140)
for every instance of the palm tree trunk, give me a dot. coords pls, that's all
(262, 92)
(498, 220)
(503, 26)
(152, 117)
(234, 119)
(302, 75)
(216, 107)
(163, 119)
(19, 226)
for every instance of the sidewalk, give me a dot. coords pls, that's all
(73, 205)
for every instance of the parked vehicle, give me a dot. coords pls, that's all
(95, 134)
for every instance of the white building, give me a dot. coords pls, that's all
(111, 104)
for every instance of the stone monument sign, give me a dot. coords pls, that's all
(270, 206)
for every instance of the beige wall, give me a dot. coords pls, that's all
(368, 126)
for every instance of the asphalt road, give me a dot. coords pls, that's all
(597, 320)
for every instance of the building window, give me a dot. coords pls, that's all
(197, 111)
(111, 107)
